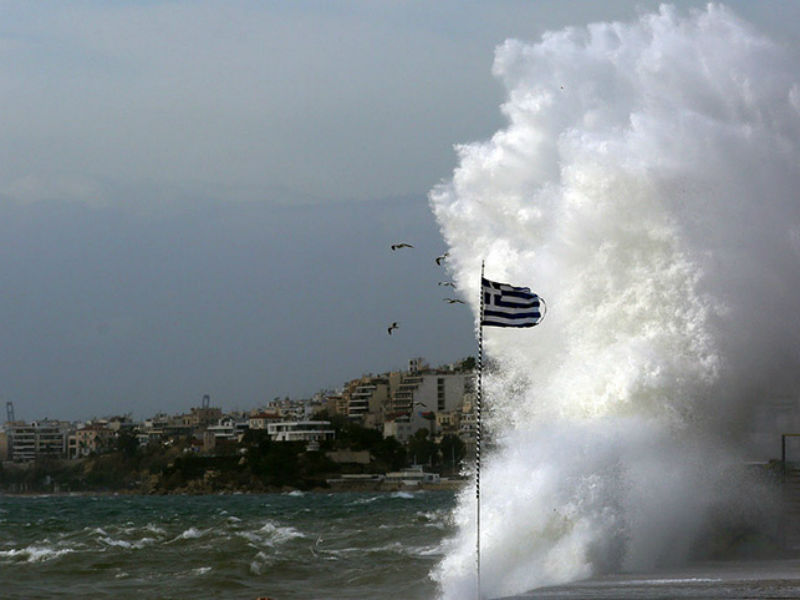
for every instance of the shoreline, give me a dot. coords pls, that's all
(352, 487)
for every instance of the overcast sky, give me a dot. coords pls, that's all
(199, 197)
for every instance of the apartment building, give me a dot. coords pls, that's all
(301, 431)
(337, 404)
(229, 428)
(89, 439)
(368, 398)
(27, 442)
(261, 419)
(198, 418)
(432, 399)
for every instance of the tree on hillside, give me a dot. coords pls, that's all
(390, 454)
(421, 449)
(126, 443)
(453, 450)
(468, 364)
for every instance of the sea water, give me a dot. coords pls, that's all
(313, 546)
(283, 546)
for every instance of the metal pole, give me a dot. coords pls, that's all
(478, 402)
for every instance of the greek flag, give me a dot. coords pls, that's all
(508, 306)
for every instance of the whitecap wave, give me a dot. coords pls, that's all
(35, 553)
(404, 495)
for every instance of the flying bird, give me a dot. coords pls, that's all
(391, 327)
(453, 300)
(447, 283)
(401, 245)
(443, 257)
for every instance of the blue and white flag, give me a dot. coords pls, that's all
(508, 306)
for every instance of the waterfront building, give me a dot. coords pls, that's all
(301, 431)
(448, 421)
(198, 418)
(424, 399)
(368, 398)
(228, 428)
(467, 426)
(89, 439)
(225, 428)
(261, 419)
(340, 404)
(153, 429)
(120, 423)
(27, 442)
(399, 428)
(3, 445)
(289, 410)
(413, 476)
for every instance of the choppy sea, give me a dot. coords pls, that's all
(284, 546)
(312, 546)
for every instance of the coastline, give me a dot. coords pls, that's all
(333, 487)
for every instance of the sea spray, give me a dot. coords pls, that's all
(645, 185)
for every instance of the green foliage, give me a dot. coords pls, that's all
(390, 454)
(453, 450)
(422, 450)
(353, 436)
(275, 463)
(253, 437)
(468, 364)
(127, 444)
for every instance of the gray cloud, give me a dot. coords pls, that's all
(193, 195)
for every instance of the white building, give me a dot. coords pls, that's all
(228, 428)
(412, 476)
(301, 431)
(27, 442)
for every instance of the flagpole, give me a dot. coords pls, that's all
(509, 306)
(478, 432)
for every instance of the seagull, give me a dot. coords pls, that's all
(441, 258)
(401, 245)
(448, 283)
(453, 301)
(392, 326)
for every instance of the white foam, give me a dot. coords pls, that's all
(404, 495)
(645, 186)
(271, 534)
(153, 528)
(369, 500)
(34, 553)
(191, 534)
